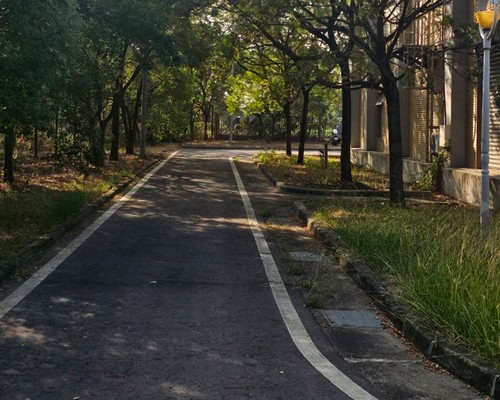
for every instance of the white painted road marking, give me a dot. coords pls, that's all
(292, 320)
(26, 288)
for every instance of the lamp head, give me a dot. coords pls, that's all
(487, 18)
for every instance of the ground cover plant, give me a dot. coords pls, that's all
(312, 174)
(436, 257)
(48, 194)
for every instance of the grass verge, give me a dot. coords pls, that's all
(438, 260)
(313, 175)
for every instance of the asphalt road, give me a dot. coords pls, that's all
(168, 299)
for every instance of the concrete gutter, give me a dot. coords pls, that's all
(35, 249)
(456, 359)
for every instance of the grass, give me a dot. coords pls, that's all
(438, 259)
(28, 214)
(313, 174)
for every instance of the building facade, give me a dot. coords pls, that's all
(440, 107)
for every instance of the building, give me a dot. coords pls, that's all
(441, 108)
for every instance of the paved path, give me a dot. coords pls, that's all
(168, 299)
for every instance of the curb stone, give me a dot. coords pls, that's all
(34, 249)
(456, 359)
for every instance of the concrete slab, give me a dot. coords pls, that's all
(359, 319)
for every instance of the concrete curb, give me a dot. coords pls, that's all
(228, 147)
(36, 248)
(456, 359)
(330, 192)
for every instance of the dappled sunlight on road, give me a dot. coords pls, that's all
(17, 330)
(181, 391)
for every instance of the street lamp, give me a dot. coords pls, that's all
(487, 20)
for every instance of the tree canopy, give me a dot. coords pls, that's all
(70, 69)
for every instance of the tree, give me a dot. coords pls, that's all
(173, 89)
(277, 29)
(376, 27)
(320, 19)
(38, 40)
(277, 69)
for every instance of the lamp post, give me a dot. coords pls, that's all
(487, 20)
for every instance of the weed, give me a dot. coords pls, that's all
(315, 300)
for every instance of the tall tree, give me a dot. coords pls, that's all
(277, 29)
(320, 19)
(38, 40)
(376, 27)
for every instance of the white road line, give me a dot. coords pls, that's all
(26, 288)
(292, 320)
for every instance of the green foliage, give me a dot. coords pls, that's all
(38, 43)
(444, 267)
(250, 95)
(171, 102)
(431, 178)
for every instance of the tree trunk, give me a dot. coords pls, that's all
(144, 113)
(128, 127)
(303, 124)
(117, 99)
(115, 128)
(217, 125)
(8, 166)
(288, 124)
(261, 132)
(273, 126)
(391, 93)
(96, 147)
(35, 144)
(212, 122)
(134, 124)
(103, 125)
(345, 152)
(206, 117)
(192, 116)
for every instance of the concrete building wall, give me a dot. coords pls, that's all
(357, 119)
(372, 122)
(456, 90)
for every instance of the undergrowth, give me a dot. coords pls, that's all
(313, 174)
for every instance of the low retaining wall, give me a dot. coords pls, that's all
(463, 184)
(380, 163)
